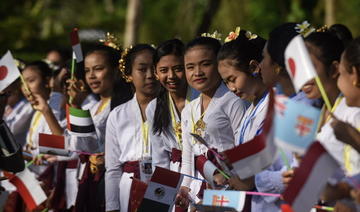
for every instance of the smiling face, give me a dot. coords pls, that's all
(236, 80)
(99, 75)
(35, 81)
(201, 68)
(346, 81)
(171, 73)
(142, 73)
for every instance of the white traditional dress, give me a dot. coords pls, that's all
(348, 157)
(167, 146)
(222, 119)
(18, 119)
(126, 144)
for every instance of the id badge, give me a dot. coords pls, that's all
(145, 169)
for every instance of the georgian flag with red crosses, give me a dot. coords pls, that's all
(8, 71)
(298, 63)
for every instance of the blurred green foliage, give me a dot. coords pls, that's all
(31, 27)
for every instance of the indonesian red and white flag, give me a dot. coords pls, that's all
(75, 42)
(8, 70)
(28, 187)
(310, 178)
(257, 154)
(298, 62)
(161, 191)
(206, 168)
(53, 144)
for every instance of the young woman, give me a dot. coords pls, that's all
(103, 77)
(214, 115)
(325, 51)
(164, 112)
(46, 103)
(127, 147)
(273, 73)
(345, 110)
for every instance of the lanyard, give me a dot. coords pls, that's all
(249, 118)
(103, 105)
(34, 125)
(177, 124)
(145, 136)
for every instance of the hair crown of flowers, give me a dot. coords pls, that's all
(111, 41)
(122, 64)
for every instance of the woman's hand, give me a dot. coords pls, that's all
(59, 80)
(346, 133)
(242, 185)
(182, 197)
(220, 180)
(287, 176)
(77, 92)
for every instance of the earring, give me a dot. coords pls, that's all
(277, 70)
(356, 84)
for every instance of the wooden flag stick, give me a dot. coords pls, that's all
(323, 93)
(24, 83)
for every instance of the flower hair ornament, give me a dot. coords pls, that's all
(111, 41)
(215, 35)
(305, 29)
(322, 29)
(122, 64)
(232, 35)
(250, 35)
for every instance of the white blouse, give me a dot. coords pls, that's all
(336, 148)
(253, 119)
(124, 142)
(18, 120)
(163, 144)
(222, 117)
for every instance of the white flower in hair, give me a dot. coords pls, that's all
(305, 29)
(250, 35)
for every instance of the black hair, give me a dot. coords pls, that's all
(209, 42)
(330, 47)
(42, 67)
(162, 113)
(242, 51)
(131, 55)
(122, 91)
(352, 55)
(279, 38)
(342, 32)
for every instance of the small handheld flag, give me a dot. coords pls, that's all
(28, 187)
(53, 144)
(79, 121)
(75, 42)
(300, 68)
(233, 199)
(310, 178)
(8, 71)
(295, 125)
(161, 191)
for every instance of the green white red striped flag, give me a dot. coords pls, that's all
(79, 121)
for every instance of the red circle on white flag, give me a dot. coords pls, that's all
(292, 66)
(3, 72)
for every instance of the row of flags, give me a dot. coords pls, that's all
(247, 159)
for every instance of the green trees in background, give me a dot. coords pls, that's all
(30, 27)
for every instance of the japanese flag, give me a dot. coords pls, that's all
(298, 63)
(8, 71)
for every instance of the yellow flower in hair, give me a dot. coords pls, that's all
(233, 35)
(250, 35)
(304, 29)
(215, 35)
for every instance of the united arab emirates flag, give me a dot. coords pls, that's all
(79, 121)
